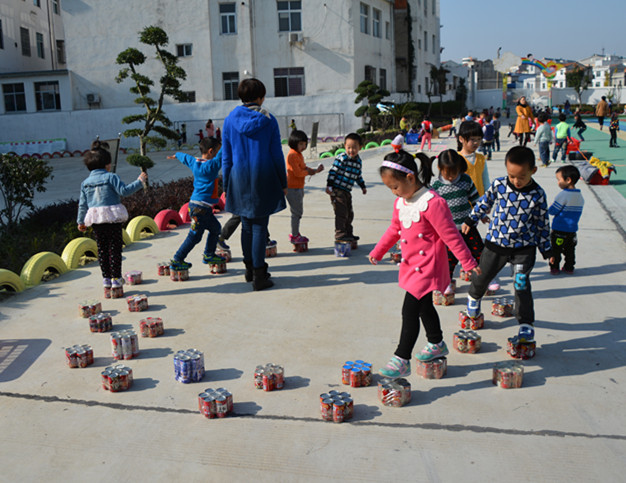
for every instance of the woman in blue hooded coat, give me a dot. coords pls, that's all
(255, 176)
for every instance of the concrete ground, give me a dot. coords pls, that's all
(566, 423)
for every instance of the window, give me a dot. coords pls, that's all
(387, 30)
(289, 81)
(434, 7)
(188, 96)
(61, 51)
(228, 18)
(37, 3)
(425, 40)
(14, 97)
(419, 89)
(370, 73)
(47, 96)
(56, 8)
(426, 78)
(1, 36)
(184, 50)
(40, 52)
(25, 40)
(365, 18)
(425, 8)
(382, 83)
(434, 45)
(231, 82)
(289, 16)
(419, 44)
(376, 23)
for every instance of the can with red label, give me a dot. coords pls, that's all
(163, 269)
(508, 375)
(327, 409)
(221, 407)
(89, 351)
(339, 407)
(71, 357)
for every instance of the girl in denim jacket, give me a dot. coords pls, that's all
(100, 208)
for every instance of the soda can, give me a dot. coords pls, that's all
(355, 377)
(217, 268)
(324, 396)
(327, 409)
(82, 358)
(229, 400)
(131, 379)
(279, 374)
(339, 407)
(406, 390)
(349, 408)
(114, 384)
(269, 380)
(89, 350)
(127, 346)
(345, 374)
(342, 249)
(123, 380)
(163, 268)
(258, 377)
(221, 406)
(197, 370)
(333, 393)
(134, 343)
(71, 357)
(106, 380)
(182, 368)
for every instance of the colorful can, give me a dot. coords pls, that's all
(342, 249)
(163, 269)
(301, 247)
(269, 380)
(279, 373)
(134, 343)
(71, 357)
(345, 374)
(327, 409)
(106, 380)
(182, 368)
(127, 346)
(89, 351)
(217, 268)
(116, 346)
(349, 408)
(355, 377)
(221, 406)
(339, 407)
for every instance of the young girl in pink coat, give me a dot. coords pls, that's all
(423, 223)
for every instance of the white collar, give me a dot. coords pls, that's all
(409, 211)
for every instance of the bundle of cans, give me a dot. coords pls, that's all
(177, 275)
(342, 248)
(134, 277)
(394, 392)
(502, 307)
(79, 356)
(163, 269)
(87, 308)
(465, 276)
(137, 303)
(117, 378)
(356, 373)
(301, 247)
(189, 366)
(101, 322)
(508, 374)
(215, 403)
(521, 350)
(113, 292)
(336, 406)
(441, 299)
(225, 254)
(151, 327)
(124, 344)
(271, 250)
(467, 341)
(473, 323)
(435, 369)
(269, 377)
(396, 256)
(216, 268)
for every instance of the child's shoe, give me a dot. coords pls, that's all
(212, 259)
(526, 333)
(395, 368)
(117, 282)
(298, 239)
(106, 282)
(179, 265)
(356, 238)
(432, 351)
(568, 271)
(221, 245)
(271, 243)
(555, 271)
(493, 287)
(473, 307)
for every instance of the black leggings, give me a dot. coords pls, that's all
(413, 310)
(523, 138)
(109, 240)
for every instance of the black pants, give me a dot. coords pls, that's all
(496, 139)
(230, 226)
(491, 263)
(613, 141)
(110, 242)
(475, 244)
(413, 310)
(523, 138)
(565, 244)
(344, 214)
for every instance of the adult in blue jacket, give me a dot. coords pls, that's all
(254, 174)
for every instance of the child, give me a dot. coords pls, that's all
(297, 171)
(427, 132)
(543, 138)
(488, 137)
(580, 125)
(345, 171)
(454, 127)
(458, 189)
(205, 170)
(470, 137)
(100, 208)
(566, 209)
(518, 227)
(562, 137)
(497, 124)
(613, 128)
(422, 222)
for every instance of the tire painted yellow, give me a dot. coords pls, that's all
(139, 224)
(11, 281)
(126, 238)
(34, 269)
(78, 248)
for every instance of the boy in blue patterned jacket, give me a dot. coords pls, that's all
(519, 226)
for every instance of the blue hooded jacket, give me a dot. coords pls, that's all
(253, 165)
(204, 173)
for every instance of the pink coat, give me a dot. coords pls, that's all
(424, 227)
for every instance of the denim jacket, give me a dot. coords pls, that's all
(102, 188)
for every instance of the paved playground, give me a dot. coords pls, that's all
(566, 423)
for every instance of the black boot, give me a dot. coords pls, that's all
(261, 279)
(248, 274)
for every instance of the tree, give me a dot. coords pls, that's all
(374, 94)
(439, 81)
(20, 178)
(461, 93)
(578, 79)
(154, 118)
(410, 110)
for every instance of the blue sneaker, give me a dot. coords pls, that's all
(432, 351)
(473, 307)
(396, 368)
(221, 245)
(213, 259)
(179, 265)
(526, 333)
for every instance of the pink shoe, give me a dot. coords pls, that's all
(298, 239)
(493, 287)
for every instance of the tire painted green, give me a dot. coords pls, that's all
(372, 144)
(11, 281)
(140, 224)
(327, 154)
(339, 151)
(34, 269)
(386, 142)
(78, 248)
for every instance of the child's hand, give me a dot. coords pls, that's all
(320, 168)
(143, 177)
(364, 190)
(171, 157)
(329, 190)
(477, 270)
(372, 260)
(552, 260)
(82, 227)
(485, 219)
(465, 228)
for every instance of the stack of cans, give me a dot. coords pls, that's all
(134, 277)
(301, 247)
(336, 406)
(124, 344)
(394, 392)
(137, 303)
(163, 269)
(113, 292)
(117, 378)
(271, 250)
(188, 366)
(508, 375)
(502, 307)
(467, 341)
(356, 373)
(215, 403)
(179, 275)
(101, 322)
(473, 323)
(465, 276)
(79, 356)
(225, 254)
(521, 350)
(435, 369)
(151, 327)
(217, 268)
(269, 377)
(441, 299)
(87, 308)
(342, 248)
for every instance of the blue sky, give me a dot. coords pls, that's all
(540, 27)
